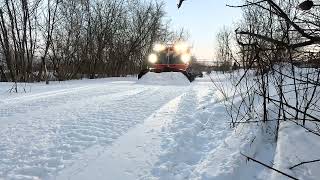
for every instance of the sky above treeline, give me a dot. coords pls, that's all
(202, 19)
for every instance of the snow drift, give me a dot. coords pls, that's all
(164, 78)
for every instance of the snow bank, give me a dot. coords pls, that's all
(296, 145)
(226, 162)
(165, 78)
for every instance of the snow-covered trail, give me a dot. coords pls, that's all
(43, 133)
(167, 145)
(132, 156)
(121, 129)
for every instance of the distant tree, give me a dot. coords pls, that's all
(223, 51)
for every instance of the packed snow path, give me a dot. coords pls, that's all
(41, 133)
(115, 129)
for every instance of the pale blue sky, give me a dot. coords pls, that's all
(202, 19)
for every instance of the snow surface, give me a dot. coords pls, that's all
(165, 78)
(296, 145)
(161, 127)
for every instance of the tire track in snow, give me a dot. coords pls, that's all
(41, 95)
(132, 156)
(200, 126)
(48, 139)
(41, 101)
(135, 154)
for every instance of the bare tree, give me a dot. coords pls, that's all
(224, 53)
(60, 40)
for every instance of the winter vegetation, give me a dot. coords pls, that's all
(275, 46)
(44, 40)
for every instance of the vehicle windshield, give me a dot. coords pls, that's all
(171, 58)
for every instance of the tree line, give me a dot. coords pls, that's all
(68, 39)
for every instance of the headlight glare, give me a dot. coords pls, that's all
(153, 58)
(186, 58)
(159, 47)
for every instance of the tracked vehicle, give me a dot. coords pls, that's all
(170, 58)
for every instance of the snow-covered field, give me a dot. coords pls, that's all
(121, 129)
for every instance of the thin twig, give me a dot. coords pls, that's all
(245, 5)
(265, 165)
(305, 162)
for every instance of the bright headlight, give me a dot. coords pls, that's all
(153, 58)
(186, 58)
(159, 47)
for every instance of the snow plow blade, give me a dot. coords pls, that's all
(189, 76)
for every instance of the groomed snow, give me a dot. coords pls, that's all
(44, 132)
(161, 127)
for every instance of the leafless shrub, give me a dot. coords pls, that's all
(278, 46)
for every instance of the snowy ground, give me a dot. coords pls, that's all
(118, 128)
